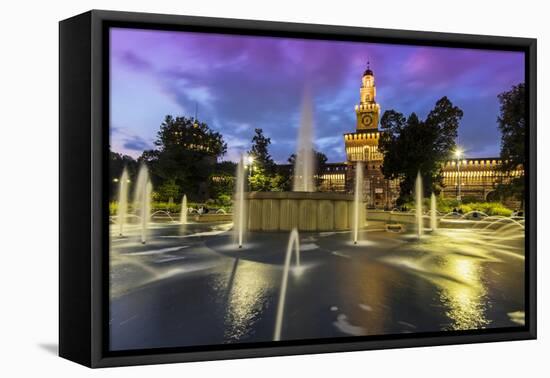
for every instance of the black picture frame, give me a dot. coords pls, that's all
(83, 240)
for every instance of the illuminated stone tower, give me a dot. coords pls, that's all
(367, 111)
(362, 146)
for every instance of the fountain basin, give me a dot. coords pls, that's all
(205, 218)
(305, 211)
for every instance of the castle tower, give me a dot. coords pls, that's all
(362, 146)
(367, 111)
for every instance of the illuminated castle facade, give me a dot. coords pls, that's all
(476, 177)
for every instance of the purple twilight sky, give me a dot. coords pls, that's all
(241, 83)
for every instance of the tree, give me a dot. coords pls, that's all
(512, 125)
(281, 182)
(260, 152)
(222, 182)
(117, 163)
(264, 175)
(259, 180)
(186, 153)
(410, 145)
(168, 191)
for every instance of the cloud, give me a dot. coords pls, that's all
(136, 144)
(123, 139)
(132, 60)
(241, 82)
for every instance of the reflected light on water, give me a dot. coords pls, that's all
(466, 301)
(252, 286)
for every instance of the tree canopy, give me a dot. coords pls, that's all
(260, 152)
(410, 145)
(117, 163)
(263, 174)
(512, 124)
(186, 152)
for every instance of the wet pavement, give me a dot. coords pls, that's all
(190, 285)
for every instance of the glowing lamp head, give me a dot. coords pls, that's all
(458, 153)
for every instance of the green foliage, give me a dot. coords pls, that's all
(224, 201)
(260, 152)
(489, 208)
(221, 184)
(512, 125)
(172, 208)
(281, 183)
(411, 145)
(222, 181)
(262, 175)
(113, 207)
(186, 152)
(168, 190)
(259, 180)
(447, 205)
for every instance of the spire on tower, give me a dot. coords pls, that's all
(368, 71)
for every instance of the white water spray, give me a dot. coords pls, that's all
(433, 213)
(239, 205)
(183, 211)
(419, 215)
(358, 217)
(122, 210)
(142, 200)
(293, 245)
(304, 164)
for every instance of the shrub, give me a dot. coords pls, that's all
(113, 207)
(446, 205)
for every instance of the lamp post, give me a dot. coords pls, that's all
(458, 155)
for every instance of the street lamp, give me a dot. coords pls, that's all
(458, 155)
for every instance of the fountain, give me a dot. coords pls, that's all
(358, 218)
(142, 198)
(304, 165)
(419, 199)
(122, 210)
(433, 213)
(293, 245)
(302, 208)
(239, 205)
(183, 211)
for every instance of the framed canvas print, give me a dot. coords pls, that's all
(233, 188)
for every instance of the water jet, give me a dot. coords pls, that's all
(293, 245)
(419, 199)
(122, 210)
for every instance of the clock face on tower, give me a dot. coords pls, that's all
(366, 120)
